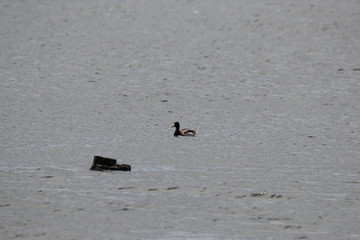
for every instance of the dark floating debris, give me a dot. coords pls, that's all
(125, 188)
(241, 196)
(47, 176)
(160, 189)
(292, 227)
(108, 164)
(125, 209)
(260, 194)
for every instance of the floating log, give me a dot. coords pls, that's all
(108, 164)
(104, 161)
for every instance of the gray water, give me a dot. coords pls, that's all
(271, 87)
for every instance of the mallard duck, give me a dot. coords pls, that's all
(184, 131)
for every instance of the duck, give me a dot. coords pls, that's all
(184, 131)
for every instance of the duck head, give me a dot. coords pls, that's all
(176, 125)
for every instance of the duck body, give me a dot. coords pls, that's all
(184, 131)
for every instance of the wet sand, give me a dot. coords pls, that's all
(271, 87)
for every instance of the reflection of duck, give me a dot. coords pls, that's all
(183, 132)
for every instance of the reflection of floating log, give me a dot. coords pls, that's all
(116, 167)
(102, 164)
